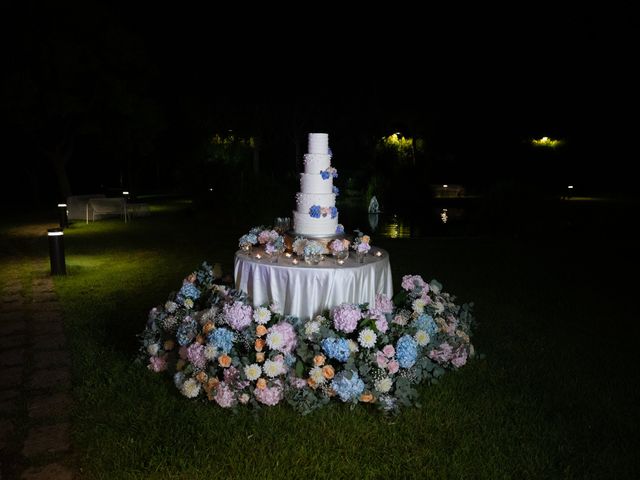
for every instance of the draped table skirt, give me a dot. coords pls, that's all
(306, 290)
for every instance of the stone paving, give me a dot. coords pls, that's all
(35, 382)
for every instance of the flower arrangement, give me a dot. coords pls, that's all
(361, 243)
(219, 348)
(338, 246)
(273, 242)
(328, 173)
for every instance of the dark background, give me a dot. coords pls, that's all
(127, 96)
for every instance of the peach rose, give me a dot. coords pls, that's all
(192, 278)
(208, 327)
(328, 372)
(367, 397)
(202, 377)
(260, 343)
(212, 384)
(366, 238)
(261, 383)
(311, 382)
(168, 345)
(200, 339)
(319, 360)
(224, 361)
(260, 357)
(261, 330)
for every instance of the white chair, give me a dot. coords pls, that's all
(106, 207)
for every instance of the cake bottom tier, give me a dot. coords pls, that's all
(304, 224)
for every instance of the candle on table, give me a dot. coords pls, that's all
(378, 253)
(288, 254)
(294, 261)
(258, 256)
(340, 262)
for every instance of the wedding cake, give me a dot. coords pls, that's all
(316, 213)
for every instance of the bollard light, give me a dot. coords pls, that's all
(64, 215)
(56, 251)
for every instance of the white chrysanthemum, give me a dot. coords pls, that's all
(353, 346)
(273, 369)
(170, 306)
(384, 384)
(190, 388)
(275, 340)
(311, 327)
(153, 349)
(261, 315)
(253, 371)
(210, 352)
(316, 375)
(367, 338)
(422, 337)
(418, 305)
(188, 303)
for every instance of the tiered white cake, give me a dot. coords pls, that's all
(316, 212)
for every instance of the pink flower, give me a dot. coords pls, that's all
(382, 325)
(336, 246)
(459, 358)
(442, 354)
(394, 366)
(410, 282)
(230, 375)
(270, 395)
(383, 303)
(381, 360)
(238, 315)
(224, 396)
(389, 351)
(363, 247)
(157, 364)
(195, 354)
(297, 382)
(289, 338)
(266, 236)
(345, 317)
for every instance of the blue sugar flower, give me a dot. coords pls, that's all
(406, 351)
(340, 229)
(337, 348)
(325, 175)
(314, 211)
(222, 339)
(334, 212)
(348, 385)
(426, 323)
(336, 190)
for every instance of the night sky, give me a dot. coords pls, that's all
(474, 84)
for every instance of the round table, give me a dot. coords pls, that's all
(306, 290)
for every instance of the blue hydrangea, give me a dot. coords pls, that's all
(189, 290)
(348, 385)
(290, 360)
(425, 322)
(186, 331)
(248, 239)
(340, 229)
(337, 348)
(406, 351)
(222, 339)
(314, 211)
(325, 175)
(334, 212)
(336, 190)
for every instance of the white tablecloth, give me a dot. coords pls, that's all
(306, 290)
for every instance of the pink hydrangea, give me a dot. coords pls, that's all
(267, 236)
(410, 282)
(383, 303)
(224, 396)
(289, 337)
(158, 364)
(230, 375)
(238, 315)
(442, 354)
(195, 354)
(459, 357)
(270, 395)
(382, 325)
(346, 316)
(389, 351)
(298, 383)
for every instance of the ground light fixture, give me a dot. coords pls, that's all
(64, 215)
(56, 251)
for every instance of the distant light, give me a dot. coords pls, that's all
(55, 233)
(547, 142)
(125, 193)
(210, 189)
(570, 187)
(445, 186)
(62, 205)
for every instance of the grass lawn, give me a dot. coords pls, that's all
(555, 396)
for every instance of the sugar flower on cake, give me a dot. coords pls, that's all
(328, 173)
(346, 317)
(339, 229)
(315, 211)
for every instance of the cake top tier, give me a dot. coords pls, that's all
(319, 143)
